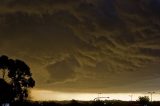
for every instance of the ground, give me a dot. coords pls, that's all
(81, 103)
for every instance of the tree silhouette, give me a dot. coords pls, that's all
(144, 100)
(20, 76)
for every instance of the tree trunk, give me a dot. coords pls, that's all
(3, 73)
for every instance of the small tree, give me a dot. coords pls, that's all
(143, 100)
(20, 77)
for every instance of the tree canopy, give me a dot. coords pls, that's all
(20, 77)
(143, 100)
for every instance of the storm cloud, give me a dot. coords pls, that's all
(84, 45)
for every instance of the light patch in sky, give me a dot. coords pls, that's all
(45, 95)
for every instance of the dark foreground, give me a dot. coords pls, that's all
(80, 103)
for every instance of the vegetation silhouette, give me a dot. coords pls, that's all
(16, 79)
(82, 103)
(144, 100)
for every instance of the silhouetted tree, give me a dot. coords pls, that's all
(20, 76)
(144, 100)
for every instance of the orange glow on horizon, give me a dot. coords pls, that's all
(45, 95)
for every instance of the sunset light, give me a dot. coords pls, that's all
(44, 95)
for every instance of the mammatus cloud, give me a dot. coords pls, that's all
(114, 44)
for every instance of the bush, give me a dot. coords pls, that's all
(143, 100)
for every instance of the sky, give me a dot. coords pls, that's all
(85, 46)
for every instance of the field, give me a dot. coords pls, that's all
(82, 103)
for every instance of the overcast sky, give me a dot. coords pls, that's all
(85, 45)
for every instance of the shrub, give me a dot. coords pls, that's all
(143, 100)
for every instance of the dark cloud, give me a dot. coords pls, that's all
(34, 6)
(84, 44)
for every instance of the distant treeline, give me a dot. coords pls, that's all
(80, 103)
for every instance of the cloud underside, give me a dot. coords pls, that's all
(84, 45)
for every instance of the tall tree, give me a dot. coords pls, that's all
(19, 74)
